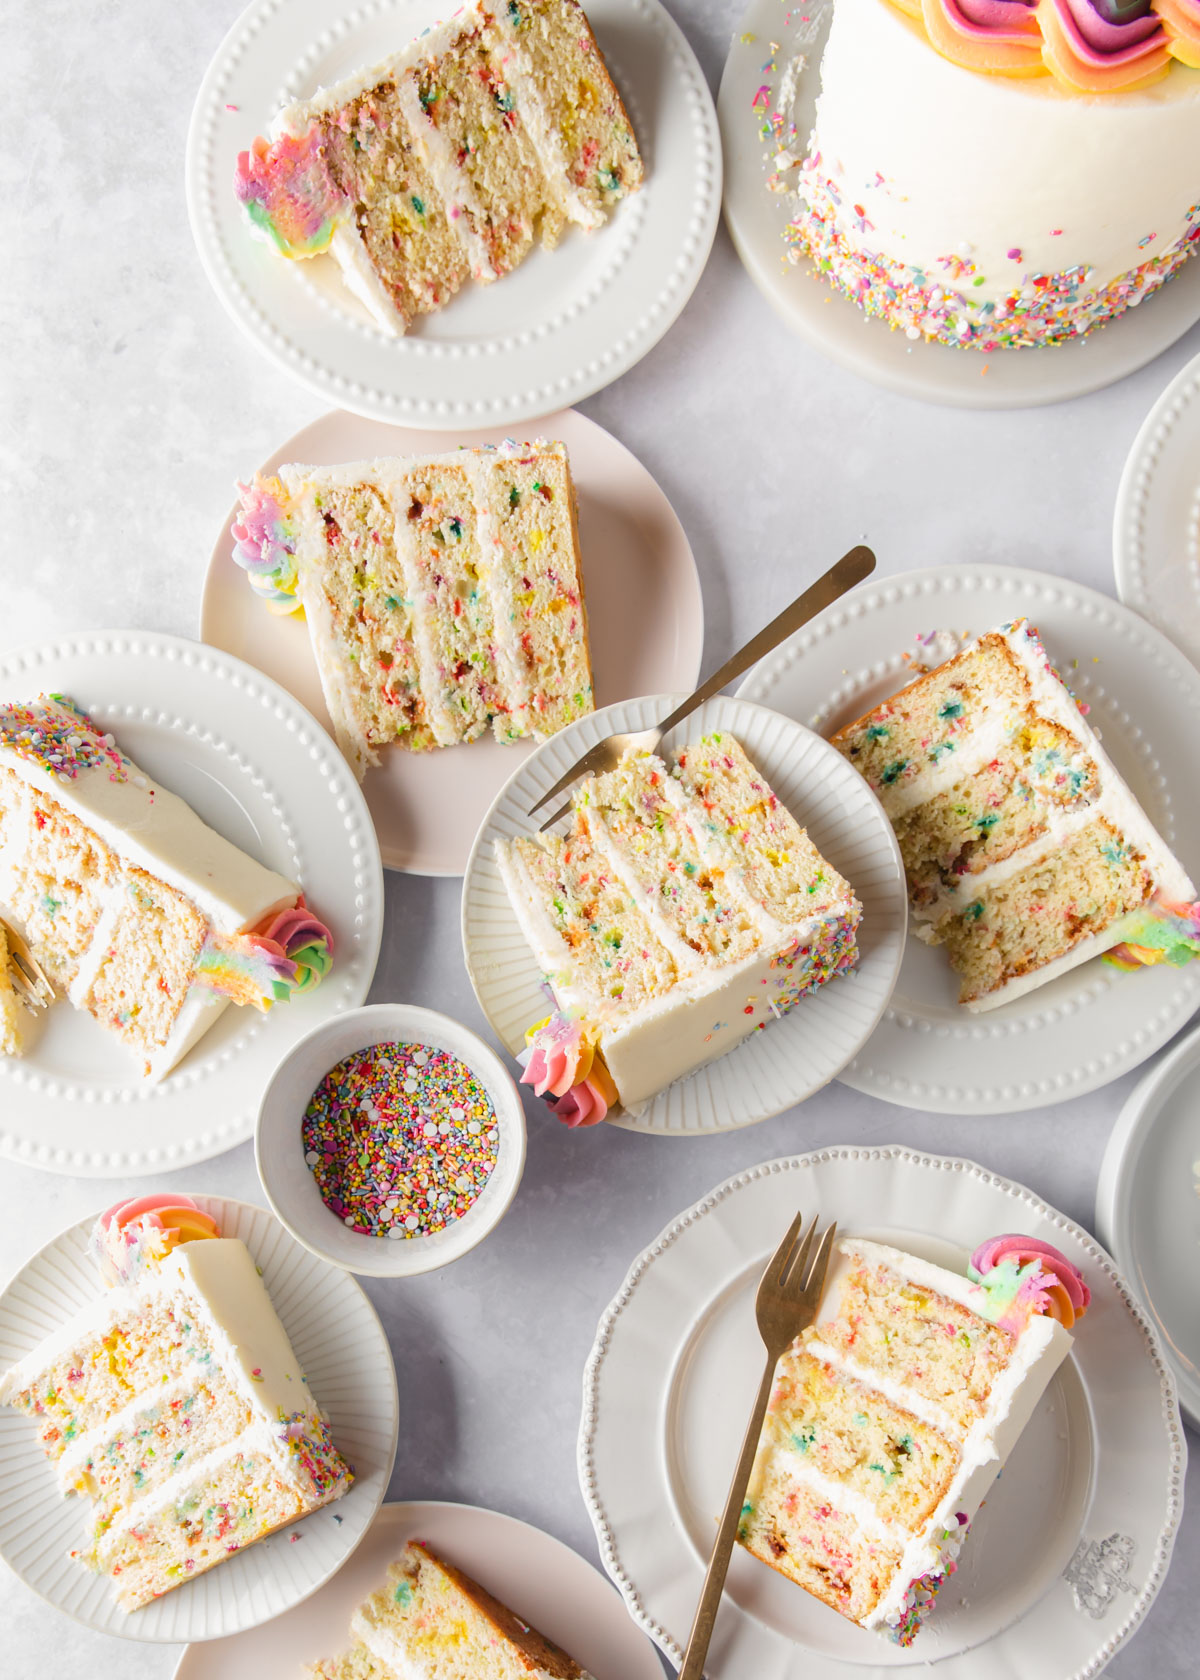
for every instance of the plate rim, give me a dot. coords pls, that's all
(957, 389)
(707, 166)
(1135, 490)
(881, 1154)
(993, 580)
(629, 462)
(88, 644)
(1138, 1116)
(638, 1124)
(374, 1321)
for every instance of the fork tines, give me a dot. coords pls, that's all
(29, 979)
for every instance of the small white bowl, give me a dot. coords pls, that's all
(290, 1185)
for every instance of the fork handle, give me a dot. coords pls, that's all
(718, 1563)
(852, 568)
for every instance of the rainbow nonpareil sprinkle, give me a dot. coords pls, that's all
(401, 1139)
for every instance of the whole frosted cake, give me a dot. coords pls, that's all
(1026, 854)
(997, 174)
(447, 161)
(685, 908)
(432, 1621)
(442, 593)
(893, 1414)
(175, 1405)
(147, 918)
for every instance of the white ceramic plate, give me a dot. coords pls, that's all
(795, 1056)
(1156, 528)
(1073, 1543)
(561, 326)
(757, 217)
(427, 806)
(544, 1581)
(1094, 1024)
(1148, 1207)
(340, 1343)
(254, 764)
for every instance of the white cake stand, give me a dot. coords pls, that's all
(756, 218)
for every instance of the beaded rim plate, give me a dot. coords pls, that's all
(1156, 526)
(563, 325)
(1085, 1029)
(253, 763)
(339, 1341)
(798, 1054)
(426, 807)
(1074, 1541)
(756, 219)
(1147, 1209)
(558, 1591)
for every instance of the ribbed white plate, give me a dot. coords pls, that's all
(563, 325)
(937, 373)
(1072, 1545)
(1156, 527)
(345, 1355)
(793, 1057)
(427, 806)
(1094, 1024)
(254, 764)
(1148, 1207)
(555, 1589)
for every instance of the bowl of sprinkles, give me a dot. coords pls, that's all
(391, 1140)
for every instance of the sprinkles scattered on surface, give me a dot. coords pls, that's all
(401, 1139)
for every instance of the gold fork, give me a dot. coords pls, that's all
(29, 978)
(787, 1302)
(852, 568)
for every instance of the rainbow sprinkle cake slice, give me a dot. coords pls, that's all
(431, 1621)
(148, 920)
(442, 593)
(892, 1415)
(174, 1404)
(447, 161)
(685, 908)
(1026, 853)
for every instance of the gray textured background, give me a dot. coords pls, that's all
(130, 404)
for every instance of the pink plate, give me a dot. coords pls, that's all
(645, 617)
(537, 1576)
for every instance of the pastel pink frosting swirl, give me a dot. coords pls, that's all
(1033, 1277)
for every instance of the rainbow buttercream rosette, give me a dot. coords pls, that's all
(264, 544)
(291, 954)
(289, 194)
(567, 1069)
(1023, 1275)
(1162, 932)
(132, 1237)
